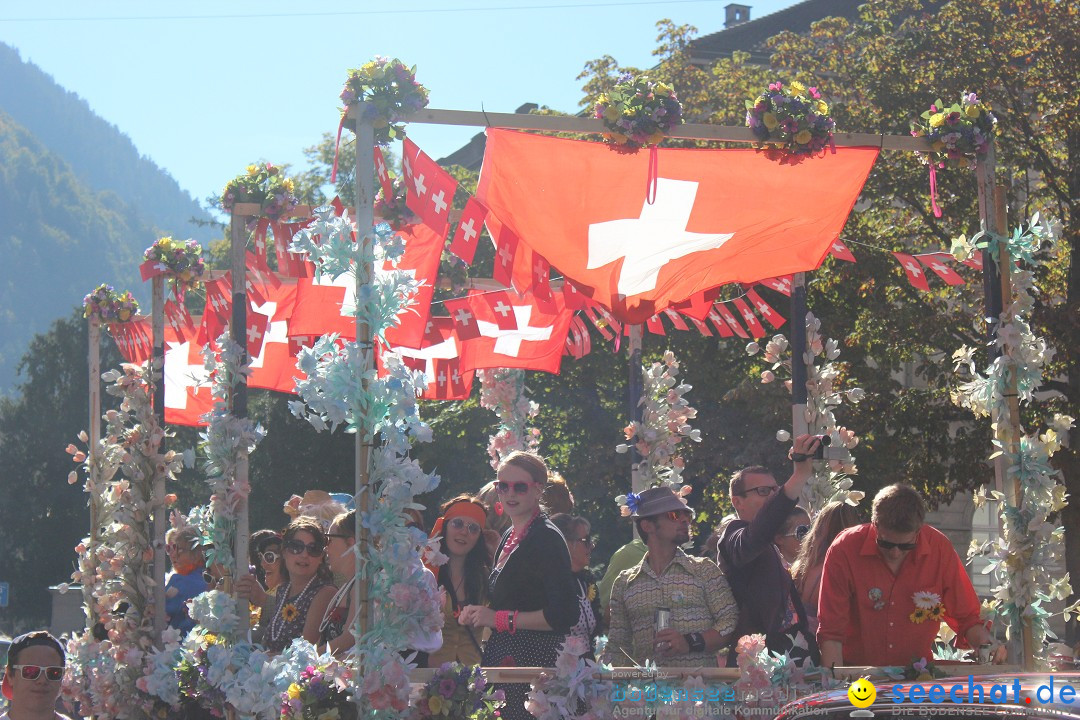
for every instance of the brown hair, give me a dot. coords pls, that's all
(477, 565)
(557, 497)
(833, 518)
(736, 486)
(899, 508)
(531, 463)
(311, 525)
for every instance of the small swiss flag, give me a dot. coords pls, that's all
(780, 284)
(535, 344)
(178, 317)
(439, 356)
(506, 250)
(463, 318)
(676, 319)
(653, 325)
(383, 173)
(467, 236)
(432, 193)
(913, 270)
(699, 304)
(749, 318)
(840, 251)
(134, 339)
(499, 302)
(775, 319)
(721, 323)
(940, 263)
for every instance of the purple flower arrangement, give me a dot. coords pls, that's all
(457, 692)
(110, 306)
(183, 260)
(265, 185)
(793, 116)
(390, 94)
(638, 112)
(957, 133)
(318, 694)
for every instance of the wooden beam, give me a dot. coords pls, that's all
(574, 124)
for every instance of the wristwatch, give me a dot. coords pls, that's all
(696, 641)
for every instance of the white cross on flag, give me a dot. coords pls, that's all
(775, 319)
(218, 310)
(463, 318)
(290, 264)
(260, 256)
(274, 367)
(749, 318)
(439, 355)
(188, 394)
(699, 305)
(536, 344)
(715, 218)
(724, 322)
(179, 319)
(840, 251)
(383, 173)
(507, 250)
(779, 284)
(913, 271)
(941, 264)
(467, 236)
(499, 302)
(134, 339)
(654, 325)
(676, 319)
(431, 194)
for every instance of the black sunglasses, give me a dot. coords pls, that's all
(296, 547)
(886, 545)
(31, 672)
(519, 488)
(800, 532)
(762, 490)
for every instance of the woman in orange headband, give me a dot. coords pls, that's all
(464, 577)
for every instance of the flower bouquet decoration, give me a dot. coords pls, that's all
(393, 210)
(265, 185)
(109, 306)
(957, 134)
(571, 692)
(457, 692)
(320, 693)
(389, 92)
(664, 424)
(792, 116)
(638, 112)
(180, 261)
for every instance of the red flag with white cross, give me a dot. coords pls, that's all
(840, 251)
(431, 193)
(700, 229)
(535, 344)
(779, 284)
(274, 367)
(382, 171)
(463, 318)
(134, 338)
(188, 393)
(775, 319)
(499, 302)
(913, 270)
(941, 264)
(749, 318)
(467, 236)
(438, 355)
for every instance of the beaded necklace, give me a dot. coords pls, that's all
(277, 623)
(514, 540)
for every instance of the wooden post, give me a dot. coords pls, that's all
(365, 220)
(799, 424)
(238, 334)
(637, 483)
(161, 516)
(93, 361)
(1008, 425)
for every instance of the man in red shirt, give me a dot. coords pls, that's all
(887, 586)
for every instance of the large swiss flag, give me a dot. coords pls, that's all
(274, 368)
(536, 343)
(718, 216)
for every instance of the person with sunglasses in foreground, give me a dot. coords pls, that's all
(887, 586)
(35, 667)
(768, 602)
(671, 608)
(532, 590)
(300, 602)
(463, 577)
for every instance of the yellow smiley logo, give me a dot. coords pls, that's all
(862, 693)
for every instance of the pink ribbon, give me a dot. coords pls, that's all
(654, 169)
(337, 146)
(933, 190)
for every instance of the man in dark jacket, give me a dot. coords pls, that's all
(768, 602)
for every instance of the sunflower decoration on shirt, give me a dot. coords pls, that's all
(590, 594)
(289, 612)
(928, 606)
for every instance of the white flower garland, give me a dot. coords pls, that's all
(664, 424)
(1021, 560)
(343, 388)
(830, 481)
(503, 391)
(102, 675)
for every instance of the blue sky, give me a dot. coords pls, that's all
(205, 88)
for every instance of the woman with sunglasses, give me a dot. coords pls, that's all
(266, 558)
(463, 577)
(532, 589)
(806, 570)
(789, 539)
(576, 530)
(299, 604)
(186, 580)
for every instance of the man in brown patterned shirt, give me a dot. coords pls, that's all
(702, 607)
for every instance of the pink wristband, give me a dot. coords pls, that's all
(502, 618)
